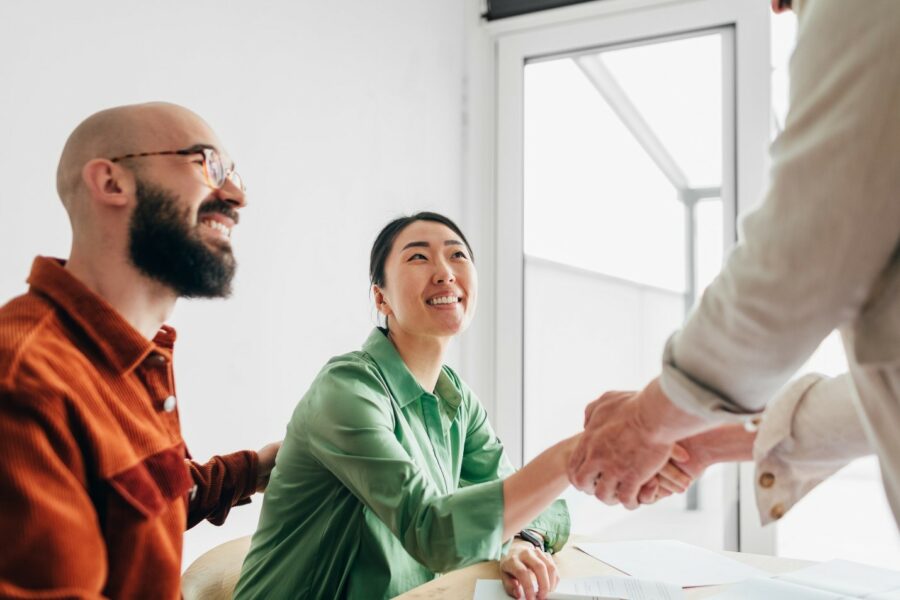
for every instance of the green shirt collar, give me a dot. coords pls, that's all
(401, 382)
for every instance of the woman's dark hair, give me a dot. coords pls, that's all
(385, 241)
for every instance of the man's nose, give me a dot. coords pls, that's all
(232, 194)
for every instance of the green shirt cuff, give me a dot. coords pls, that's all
(478, 522)
(554, 524)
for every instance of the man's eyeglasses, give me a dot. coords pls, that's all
(214, 172)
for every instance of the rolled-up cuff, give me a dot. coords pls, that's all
(554, 524)
(779, 485)
(694, 397)
(478, 521)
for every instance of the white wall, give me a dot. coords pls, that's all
(339, 114)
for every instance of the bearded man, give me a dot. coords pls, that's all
(96, 485)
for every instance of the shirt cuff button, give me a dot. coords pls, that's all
(777, 511)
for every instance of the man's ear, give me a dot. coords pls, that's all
(107, 182)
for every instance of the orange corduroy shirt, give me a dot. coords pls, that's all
(96, 486)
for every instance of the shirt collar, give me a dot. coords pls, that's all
(401, 382)
(118, 342)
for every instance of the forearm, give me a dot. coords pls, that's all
(528, 491)
(663, 420)
(221, 483)
(728, 443)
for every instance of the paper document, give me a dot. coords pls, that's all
(628, 588)
(833, 580)
(672, 562)
(591, 588)
(489, 589)
(772, 589)
(846, 578)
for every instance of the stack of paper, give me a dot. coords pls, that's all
(834, 580)
(671, 561)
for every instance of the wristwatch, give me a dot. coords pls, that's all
(532, 538)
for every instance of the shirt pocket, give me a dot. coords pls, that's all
(150, 485)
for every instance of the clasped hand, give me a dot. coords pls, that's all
(625, 457)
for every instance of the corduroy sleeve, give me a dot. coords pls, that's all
(219, 484)
(53, 546)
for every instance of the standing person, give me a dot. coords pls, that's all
(96, 485)
(822, 252)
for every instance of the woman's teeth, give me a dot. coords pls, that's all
(444, 300)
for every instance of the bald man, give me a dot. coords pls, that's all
(96, 485)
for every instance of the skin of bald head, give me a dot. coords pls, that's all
(119, 131)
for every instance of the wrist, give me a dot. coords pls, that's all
(533, 538)
(566, 448)
(728, 443)
(517, 545)
(660, 420)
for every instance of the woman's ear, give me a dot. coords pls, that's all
(381, 302)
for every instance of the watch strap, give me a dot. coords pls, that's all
(532, 538)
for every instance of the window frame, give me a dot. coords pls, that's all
(499, 343)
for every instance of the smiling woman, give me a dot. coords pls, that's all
(390, 471)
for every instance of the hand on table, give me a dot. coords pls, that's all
(528, 573)
(266, 462)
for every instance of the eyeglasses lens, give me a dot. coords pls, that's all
(237, 180)
(214, 168)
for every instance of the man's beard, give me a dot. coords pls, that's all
(164, 245)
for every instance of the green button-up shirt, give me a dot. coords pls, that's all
(379, 485)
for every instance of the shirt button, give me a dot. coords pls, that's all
(777, 511)
(157, 359)
(766, 480)
(169, 404)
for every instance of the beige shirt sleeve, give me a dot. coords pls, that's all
(811, 254)
(808, 432)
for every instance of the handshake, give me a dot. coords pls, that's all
(638, 447)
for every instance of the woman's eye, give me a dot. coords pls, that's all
(416, 256)
(460, 254)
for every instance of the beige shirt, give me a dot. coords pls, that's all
(820, 253)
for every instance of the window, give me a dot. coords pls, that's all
(616, 160)
(623, 228)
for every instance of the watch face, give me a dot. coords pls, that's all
(531, 538)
